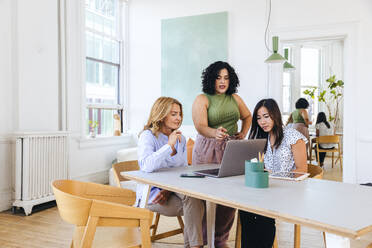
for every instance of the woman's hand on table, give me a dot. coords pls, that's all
(162, 197)
(220, 133)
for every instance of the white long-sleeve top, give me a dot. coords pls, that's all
(154, 153)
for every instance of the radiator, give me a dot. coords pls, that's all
(40, 159)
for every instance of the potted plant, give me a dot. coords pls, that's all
(92, 126)
(331, 96)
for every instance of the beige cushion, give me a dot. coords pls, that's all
(127, 154)
(132, 185)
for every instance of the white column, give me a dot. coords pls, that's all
(275, 83)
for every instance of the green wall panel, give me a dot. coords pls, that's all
(189, 45)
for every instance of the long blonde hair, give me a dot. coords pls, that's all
(161, 108)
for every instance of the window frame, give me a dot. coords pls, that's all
(122, 90)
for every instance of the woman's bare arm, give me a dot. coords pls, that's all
(306, 117)
(290, 119)
(299, 156)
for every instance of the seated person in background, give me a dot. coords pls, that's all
(323, 128)
(300, 118)
(161, 145)
(285, 151)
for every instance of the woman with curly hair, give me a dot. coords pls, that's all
(216, 114)
(162, 145)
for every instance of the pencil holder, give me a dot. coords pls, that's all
(255, 176)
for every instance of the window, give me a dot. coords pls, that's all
(103, 57)
(310, 76)
(314, 61)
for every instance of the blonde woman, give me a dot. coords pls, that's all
(162, 145)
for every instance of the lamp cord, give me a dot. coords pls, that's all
(267, 27)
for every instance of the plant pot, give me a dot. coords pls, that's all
(92, 134)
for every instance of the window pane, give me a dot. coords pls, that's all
(310, 64)
(110, 75)
(92, 72)
(101, 15)
(104, 118)
(103, 87)
(286, 79)
(102, 48)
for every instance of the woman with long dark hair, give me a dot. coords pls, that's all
(323, 128)
(285, 151)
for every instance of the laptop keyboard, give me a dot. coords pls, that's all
(210, 171)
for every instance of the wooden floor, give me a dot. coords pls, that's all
(45, 229)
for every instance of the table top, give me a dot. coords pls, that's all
(339, 208)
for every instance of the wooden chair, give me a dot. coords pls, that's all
(95, 207)
(316, 172)
(333, 139)
(122, 181)
(311, 148)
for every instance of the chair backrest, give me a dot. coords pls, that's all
(189, 146)
(131, 165)
(315, 171)
(328, 139)
(72, 208)
(74, 198)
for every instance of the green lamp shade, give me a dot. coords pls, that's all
(287, 66)
(275, 57)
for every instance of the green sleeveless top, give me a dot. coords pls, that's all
(297, 117)
(223, 111)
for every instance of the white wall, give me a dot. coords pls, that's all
(246, 48)
(37, 65)
(247, 21)
(6, 102)
(31, 88)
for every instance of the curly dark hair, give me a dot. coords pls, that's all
(210, 75)
(302, 103)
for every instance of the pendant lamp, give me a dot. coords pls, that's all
(275, 57)
(287, 66)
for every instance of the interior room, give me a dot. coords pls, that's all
(79, 78)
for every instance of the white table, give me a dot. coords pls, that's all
(337, 208)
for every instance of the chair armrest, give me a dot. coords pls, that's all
(114, 210)
(110, 194)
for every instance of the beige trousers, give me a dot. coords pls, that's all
(192, 210)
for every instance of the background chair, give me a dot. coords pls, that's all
(311, 148)
(91, 205)
(316, 172)
(123, 182)
(333, 139)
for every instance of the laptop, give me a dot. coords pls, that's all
(233, 160)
